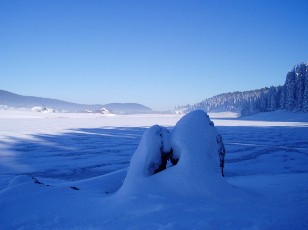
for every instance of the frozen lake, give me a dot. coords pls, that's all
(79, 146)
(266, 153)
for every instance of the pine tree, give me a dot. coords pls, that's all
(278, 96)
(272, 99)
(300, 86)
(282, 99)
(305, 96)
(290, 90)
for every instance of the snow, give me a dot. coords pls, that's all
(42, 109)
(194, 144)
(225, 114)
(279, 115)
(147, 157)
(66, 171)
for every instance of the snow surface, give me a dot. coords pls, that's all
(63, 171)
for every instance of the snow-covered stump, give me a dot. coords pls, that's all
(189, 160)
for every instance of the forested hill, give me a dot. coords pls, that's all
(292, 96)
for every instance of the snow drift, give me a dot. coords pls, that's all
(187, 160)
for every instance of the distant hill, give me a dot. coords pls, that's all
(292, 96)
(13, 100)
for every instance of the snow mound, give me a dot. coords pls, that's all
(148, 157)
(187, 160)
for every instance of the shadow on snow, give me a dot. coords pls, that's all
(85, 153)
(265, 150)
(74, 155)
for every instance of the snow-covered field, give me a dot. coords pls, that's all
(63, 171)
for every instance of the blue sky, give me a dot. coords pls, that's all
(160, 53)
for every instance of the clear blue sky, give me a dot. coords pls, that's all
(160, 53)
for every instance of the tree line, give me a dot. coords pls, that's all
(292, 96)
